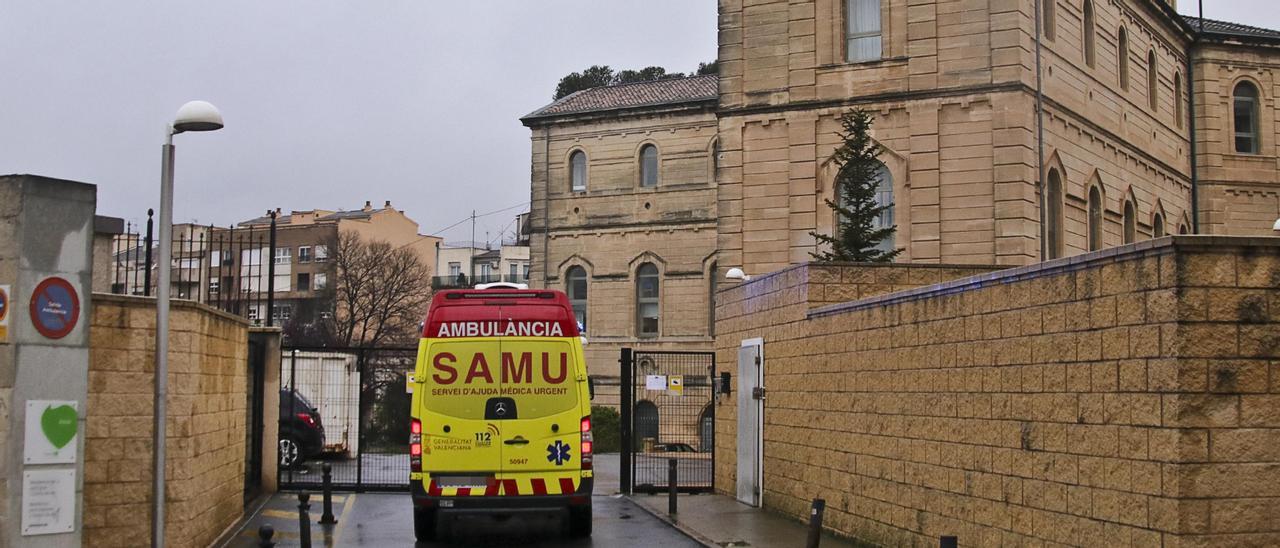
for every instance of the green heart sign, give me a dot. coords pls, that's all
(59, 425)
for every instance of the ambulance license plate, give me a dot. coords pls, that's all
(462, 481)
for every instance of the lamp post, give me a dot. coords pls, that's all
(193, 116)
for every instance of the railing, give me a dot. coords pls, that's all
(462, 281)
(226, 268)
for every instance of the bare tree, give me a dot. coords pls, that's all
(381, 292)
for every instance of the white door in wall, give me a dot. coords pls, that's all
(750, 419)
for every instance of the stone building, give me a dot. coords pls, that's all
(624, 177)
(953, 86)
(744, 163)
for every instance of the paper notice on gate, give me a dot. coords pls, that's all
(655, 382)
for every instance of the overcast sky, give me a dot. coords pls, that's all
(327, 103)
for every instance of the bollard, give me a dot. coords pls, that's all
(671, 486)
(815, 523)
(264, 536)
(304, 521)
(327, 518)
(948, 542)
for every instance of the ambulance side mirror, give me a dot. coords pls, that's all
(591, 387)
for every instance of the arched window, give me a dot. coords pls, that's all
(1177, 99)
(884, 197)
(575, 286)
(647, 309)
(1053, 214)
(1095, 219)
(578, 171)
(1157, 225)
(1182, 229)
(862, 30)
(1153, 80)
(1122, 57)
(646, 422)
(1049, 17)
(1246, 118)
(648, 166)
(1089, 34)
(1130, 223)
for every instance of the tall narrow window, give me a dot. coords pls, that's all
(1095, 219)
(578, 171)
(1122, 58)
(711, 302)
(1157, 225)
(862, 30)
(1182, 229)
(1049, 18)
(576, 288)
(648, 166)
(1246, 118)
(1153, 81)
(715, 160)
(1053, 214)
(647, 300)
(1130, 223)
(1089, 34)
(1177, 99)
(884, 196)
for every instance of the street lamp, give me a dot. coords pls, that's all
(193, 116)
(737, 274)
(1276, 227)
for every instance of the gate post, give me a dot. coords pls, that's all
(626, 379)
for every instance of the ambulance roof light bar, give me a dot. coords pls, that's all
(502, 285)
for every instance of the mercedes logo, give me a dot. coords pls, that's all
(500, 408)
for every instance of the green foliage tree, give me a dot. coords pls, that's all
(593, 77)
(708, 68)
(603, 75)
(857, 236)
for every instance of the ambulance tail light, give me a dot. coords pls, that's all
(415, 445)
(587, 443)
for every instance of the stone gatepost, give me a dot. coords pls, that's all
(46, 244)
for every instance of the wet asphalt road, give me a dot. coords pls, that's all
(386, 519)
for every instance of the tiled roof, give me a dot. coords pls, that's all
(638, 94)
(285, 219)
(1227, 28)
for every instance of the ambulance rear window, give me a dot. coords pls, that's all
(462, 374)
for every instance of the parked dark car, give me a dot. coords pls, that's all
(301, 432)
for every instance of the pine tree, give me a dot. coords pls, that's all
(856, 236)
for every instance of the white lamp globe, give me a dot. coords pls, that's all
(197, 116)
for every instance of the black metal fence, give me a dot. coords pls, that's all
(229, 268)
(348, 407)
(668, 412)
(461, 281)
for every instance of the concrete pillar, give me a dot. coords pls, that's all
(46, 236)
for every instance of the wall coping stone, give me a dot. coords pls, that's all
(173, 303)
(1159, 246)
(811, 264)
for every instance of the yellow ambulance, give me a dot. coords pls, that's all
(501, 412)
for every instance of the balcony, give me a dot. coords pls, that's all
(464, 282)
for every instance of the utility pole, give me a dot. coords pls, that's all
(471, 246)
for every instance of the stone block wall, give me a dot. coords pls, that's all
(1123, 397)
(206, 423)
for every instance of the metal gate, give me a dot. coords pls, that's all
(668, 412)
(349, 408)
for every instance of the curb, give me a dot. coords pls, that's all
(683, 529)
